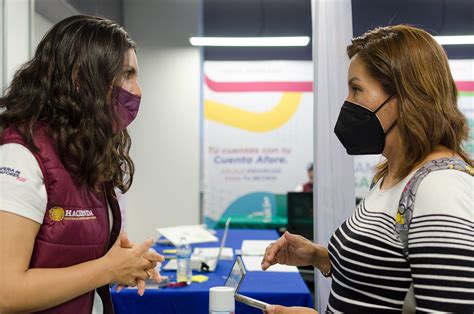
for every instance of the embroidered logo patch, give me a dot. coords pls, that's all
(56, 213)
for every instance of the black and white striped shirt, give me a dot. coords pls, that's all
(370, 273)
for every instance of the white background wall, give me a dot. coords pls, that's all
(16, 36)
(165, 135)
(41, 25)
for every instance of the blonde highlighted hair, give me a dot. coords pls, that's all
(410, 64)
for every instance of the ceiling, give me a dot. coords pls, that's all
(293, 17)
(438, 17)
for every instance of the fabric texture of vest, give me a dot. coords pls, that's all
(75, 228)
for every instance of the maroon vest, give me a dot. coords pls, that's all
(75, 227)
(308, 187)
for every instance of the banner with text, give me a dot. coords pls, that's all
(258, 135)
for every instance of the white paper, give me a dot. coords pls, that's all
(255, 247)
(173, 263)
(211, 253)
(193, 234)
(253, 263)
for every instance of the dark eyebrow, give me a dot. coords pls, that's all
(355, 78)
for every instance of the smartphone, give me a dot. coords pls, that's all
(235, 278)
(251, 302)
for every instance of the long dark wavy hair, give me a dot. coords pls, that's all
(67, 87)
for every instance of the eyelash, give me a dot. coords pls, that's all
(128, 74)
(355, 89)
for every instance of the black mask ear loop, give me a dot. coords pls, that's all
(390, 128)
(383, 104)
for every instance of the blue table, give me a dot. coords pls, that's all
(272, 287)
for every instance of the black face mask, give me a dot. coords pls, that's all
(359, 129)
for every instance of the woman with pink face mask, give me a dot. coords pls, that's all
(64, 148)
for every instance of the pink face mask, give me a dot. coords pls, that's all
(126, 104)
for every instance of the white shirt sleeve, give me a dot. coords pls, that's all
(298, 188)
(22, 189)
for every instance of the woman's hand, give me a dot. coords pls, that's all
(278, 309)
(295, 250)
(131, 265)
(151, 255)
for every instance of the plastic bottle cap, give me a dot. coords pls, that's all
(221, 299)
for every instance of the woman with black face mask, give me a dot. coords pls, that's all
(409, 245)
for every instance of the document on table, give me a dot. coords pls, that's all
(255, 247)
(193, 234)
(211, 253)
(253, 263)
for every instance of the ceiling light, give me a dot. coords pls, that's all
(250, 41)
(455, 40)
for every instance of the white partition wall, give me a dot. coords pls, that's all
(17, 35)
(165, 135)
(334, 170)
(41, 27)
